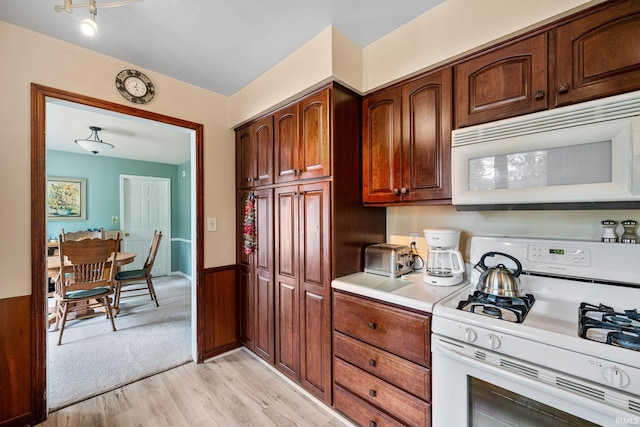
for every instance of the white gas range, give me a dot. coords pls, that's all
(489, 371)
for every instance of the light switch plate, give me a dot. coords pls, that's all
(212, 224)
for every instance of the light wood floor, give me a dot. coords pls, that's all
(235, 389)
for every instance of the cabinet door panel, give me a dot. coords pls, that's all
(286, 140)
(287, 290)
(264, 149)
(427, 137)
(315, 282)
(381, 145)
(288, 336)
(245, 155)
(286, 231)
(316, 345)
(263, 264)
(598, 55)
(314, 154)
(314, 234)
(265, 334)
(505, 82)
(247, 319)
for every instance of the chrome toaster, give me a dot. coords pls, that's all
(388, 260)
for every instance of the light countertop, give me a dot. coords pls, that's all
(407, 291)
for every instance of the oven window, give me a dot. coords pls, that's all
(493, 406)
(570, 165)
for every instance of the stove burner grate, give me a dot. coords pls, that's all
(505, 308)
(603, 324)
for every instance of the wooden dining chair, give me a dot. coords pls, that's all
(139, 279)
(86, 282)
(80, 235)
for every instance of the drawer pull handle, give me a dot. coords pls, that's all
(539, 94)
(372, 363)
(372, 423)
(372, 392)
(563, 88)
(372, 325)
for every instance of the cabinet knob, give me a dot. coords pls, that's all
(563, 88)
(396, 191)
(403, 190)
(372, 363)
(539, 94)
(372, 325)
(372, 392)
(372, 423)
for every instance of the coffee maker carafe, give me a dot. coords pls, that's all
(445, 266)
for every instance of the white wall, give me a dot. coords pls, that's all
(31, 57)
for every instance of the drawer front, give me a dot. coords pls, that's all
(360, 412)
(400, 332)
(392, 400)
(410, 377)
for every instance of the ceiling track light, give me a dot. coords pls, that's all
(93, 143)
(89, 26)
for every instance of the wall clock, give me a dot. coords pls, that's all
(135, 86)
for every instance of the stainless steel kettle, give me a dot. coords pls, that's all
(499, 280)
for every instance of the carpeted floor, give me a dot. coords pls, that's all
(93, 359)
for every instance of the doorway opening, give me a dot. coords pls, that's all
(40, 95)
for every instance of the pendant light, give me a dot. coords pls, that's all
(93, 143)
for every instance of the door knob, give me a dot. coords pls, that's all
(126, 234)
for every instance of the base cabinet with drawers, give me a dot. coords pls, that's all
(382, 359)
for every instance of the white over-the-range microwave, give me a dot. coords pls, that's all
(581, 155)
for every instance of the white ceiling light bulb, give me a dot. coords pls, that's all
(88, 26)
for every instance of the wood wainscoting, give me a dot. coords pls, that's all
(219, 310)
(15, 363)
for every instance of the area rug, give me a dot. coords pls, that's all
(93, 359)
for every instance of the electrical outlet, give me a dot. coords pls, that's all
(114, 220)
(413, 238)
(212, 224)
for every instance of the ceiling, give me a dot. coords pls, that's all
(133, 137)
(218, 45)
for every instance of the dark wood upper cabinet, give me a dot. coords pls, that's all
(381, 146)
(301, 139)
(406, 144)
(426, 137)
(598, 55)
(504, 82)
(254, 147)
(314, 151)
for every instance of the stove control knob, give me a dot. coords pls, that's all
(470, 335)
(493, 341)
(616, 377)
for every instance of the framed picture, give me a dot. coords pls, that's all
(66, 198)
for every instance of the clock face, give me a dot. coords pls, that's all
(134, 86)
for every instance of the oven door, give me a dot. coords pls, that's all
(468, 392)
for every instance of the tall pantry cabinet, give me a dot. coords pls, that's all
(310, 226)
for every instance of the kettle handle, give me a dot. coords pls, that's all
(482, 265)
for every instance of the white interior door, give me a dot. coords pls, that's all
(145, 206)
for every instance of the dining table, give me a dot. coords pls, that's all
(53, 262)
